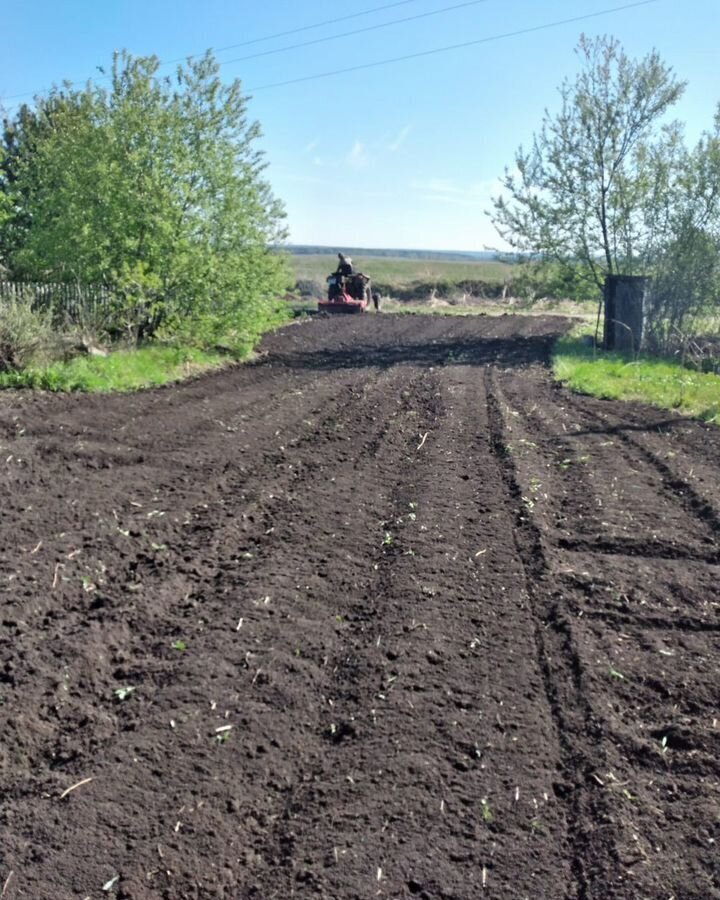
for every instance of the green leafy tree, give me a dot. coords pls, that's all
(5, 202)
(684, 295)
(581, 197)
(153, 187)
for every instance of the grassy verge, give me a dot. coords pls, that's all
(123, 370)
(659, 382)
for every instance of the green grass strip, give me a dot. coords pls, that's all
(658, 382)
(123, 370)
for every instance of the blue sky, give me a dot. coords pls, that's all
(401, 155)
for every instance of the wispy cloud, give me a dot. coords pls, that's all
(361, 154)
(450, 191)
(397, 143)
(358, 157)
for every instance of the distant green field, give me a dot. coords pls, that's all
(402, 272)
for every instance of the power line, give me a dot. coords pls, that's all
(418, 55)
(333, 37)
(474, 43)
(269, 37)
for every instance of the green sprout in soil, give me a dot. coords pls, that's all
(485, 811)
(568, 461)
(122, 693)
(388, 539)
(179, 645)
(615, 674)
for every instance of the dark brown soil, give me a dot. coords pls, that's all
(459, 626)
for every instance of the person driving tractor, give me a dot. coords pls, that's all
(348, 290)
(344, 268)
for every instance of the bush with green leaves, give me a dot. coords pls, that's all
(154, 188)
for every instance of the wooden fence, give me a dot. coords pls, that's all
(64, 299)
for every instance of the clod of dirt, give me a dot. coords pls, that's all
(341, 731)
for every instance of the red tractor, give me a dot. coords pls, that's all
(349, 294)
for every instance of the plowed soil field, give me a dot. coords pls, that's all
(385, 613)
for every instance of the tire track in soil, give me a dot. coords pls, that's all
(598, 510)
(479, 811)
(643, 779)
(699, 506)
(578, 730)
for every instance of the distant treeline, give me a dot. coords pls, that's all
(449, 255)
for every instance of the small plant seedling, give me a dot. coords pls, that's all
(179, 645)
(568, 461)
(485, 811)
(222, 735)
(122, 693)
(664, 745)
(536, 826)
(615, 674)
(88, 585)
(388, 539)
(158, 546)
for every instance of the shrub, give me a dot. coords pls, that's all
(25, 333)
